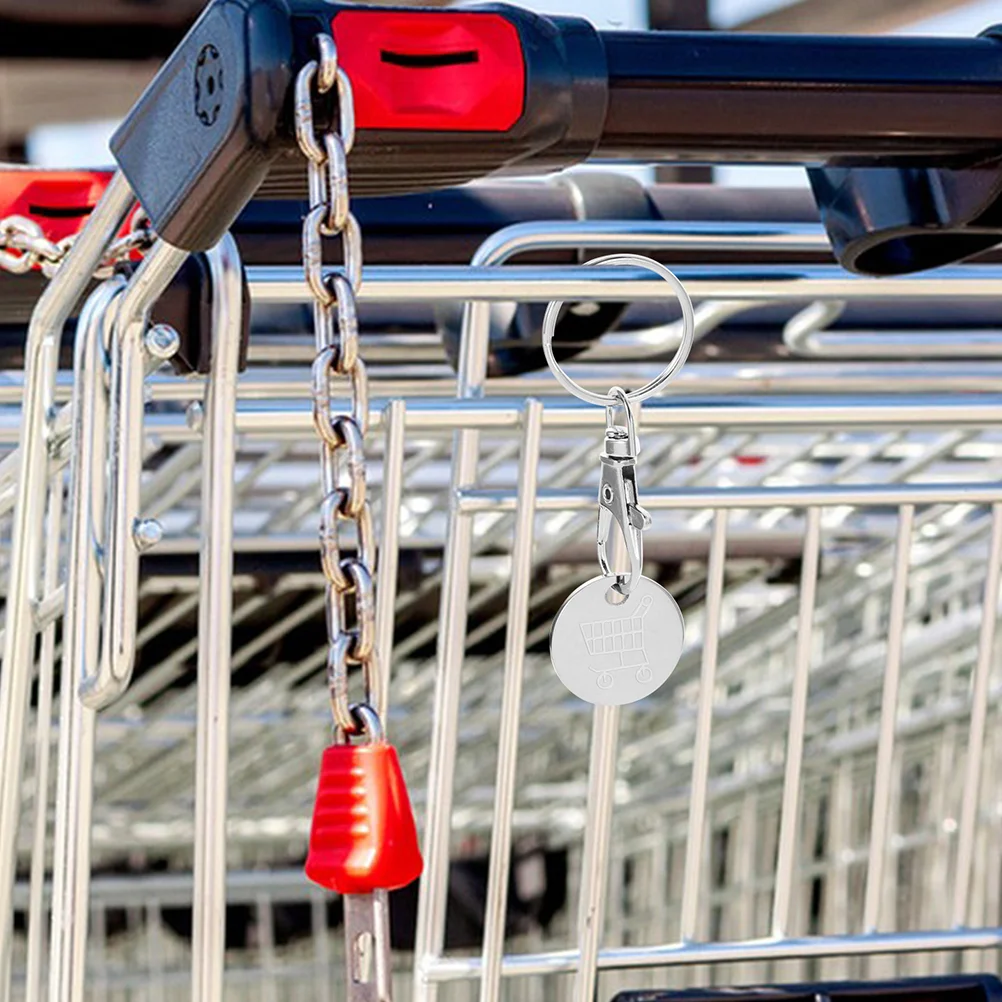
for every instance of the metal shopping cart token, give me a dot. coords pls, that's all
(618, 637)
(616, 653)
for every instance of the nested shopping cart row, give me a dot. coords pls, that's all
(820, 765)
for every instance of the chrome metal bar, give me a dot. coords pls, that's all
(695, 848)
(597, 843)
(496, 907)
(705, 378)
(113, 671)
(81, 644)
(536, 284)
(690, 498)
(643, 234)
(756, 413)
(453, 969)
(389, 546)
(888, 719)
(790, 812)
(85, 645)
(43, 746)
(40, 361)
(967, 825)
(215, 626)
(433, 890)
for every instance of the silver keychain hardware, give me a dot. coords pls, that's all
(617, 495)
(618, 637)
(616, 654)
(678, 359)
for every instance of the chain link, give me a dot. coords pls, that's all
(351, 603)
(24, 247)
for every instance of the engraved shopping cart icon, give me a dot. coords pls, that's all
(616, 644)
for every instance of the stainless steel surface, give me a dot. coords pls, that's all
(81, 648)
(818, 522)
(532, 284)
(121, 545)
(43, 744)
(44, 331)
(215, 609)
(499, 874)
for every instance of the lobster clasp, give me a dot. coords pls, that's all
(617, 496)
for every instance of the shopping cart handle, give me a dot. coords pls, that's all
(441, 97)
(447, 96)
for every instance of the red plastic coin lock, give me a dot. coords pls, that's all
(363, 836)
(445, 71)
(59, 201)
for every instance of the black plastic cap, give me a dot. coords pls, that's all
(200, 140)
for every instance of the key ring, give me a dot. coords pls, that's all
(678, 360)
(618, 637)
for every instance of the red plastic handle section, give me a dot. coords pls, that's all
(363, 836)
(430, 70)
(59, 201)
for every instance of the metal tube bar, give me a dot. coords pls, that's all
(790, 812)
(433, 890)
(495, 910)
(577, 499)
(215, 626)
(455, 969)
(389, 546)
(43, 746)
(888, 719)
(83, 645)
(597, 843)
(967, 828)
(755, 414)
(125, 451)
(40, 362)
(695, 838)
(751, 411)
(697, 379)
(667, 235)
(81, 641)
(847, 378)
(524, 283)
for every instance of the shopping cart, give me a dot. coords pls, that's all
(812, 795)
(621, 638)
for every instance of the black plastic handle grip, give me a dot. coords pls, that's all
(441, 97)
(446, 96)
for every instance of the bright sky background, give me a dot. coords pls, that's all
(87, 144)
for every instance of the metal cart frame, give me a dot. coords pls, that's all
(107, 637)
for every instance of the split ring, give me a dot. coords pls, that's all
(677, 361)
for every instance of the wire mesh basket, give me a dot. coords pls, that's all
(813, 794)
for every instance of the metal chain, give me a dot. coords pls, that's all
(351, 598)
(24, 247)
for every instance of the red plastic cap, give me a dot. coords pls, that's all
(431, 70)
(363, 836)
(59, 201)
